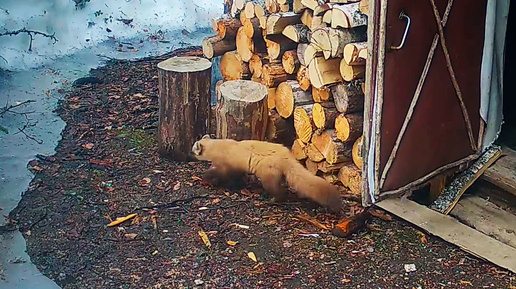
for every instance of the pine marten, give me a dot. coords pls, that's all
(270, 162)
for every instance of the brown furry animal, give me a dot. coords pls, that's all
(270, 162)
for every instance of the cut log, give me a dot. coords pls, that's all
(298, 150)
(306, 18)
(351, 72)
(276, 23)
(351, 177)
(313, 153)
(327, 17)
(290, 61)
(256, 64)
(302, 78)
(263, 22)
(280, 130)
(317, 23)
(273, 74)
(252, 27)
(250, 8)
(310, 53)
(215, 46)
(311, 166)
(239, 4)
(354, 52)
(272, 6)
(247, 46)
(324, 72)
(259, 10)
(184, 85)
(330, 178)
(232, 67)
(227, 28)
(333, 150)
(364, 7)
(324, 117)
(357, 153)
(321, 9)
(325, 167)
(349, 126)
(321, 94)
(351, 225)
(298, 7)
(303, 123)
(348, 97)
(284, 8)
(363, 87)
(312, 4)
(348, 16)
(288, 95)
(301, 47)
(298, 33)
(271, 98)
(243, 112)
(332, 41)
(278, 46)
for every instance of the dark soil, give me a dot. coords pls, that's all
(107, 166)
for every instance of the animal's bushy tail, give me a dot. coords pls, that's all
(306, 185)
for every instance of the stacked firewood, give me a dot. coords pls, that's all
(311, 54)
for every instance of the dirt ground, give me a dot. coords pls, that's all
(107, 166)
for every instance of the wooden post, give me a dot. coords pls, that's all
(242, 111)
(184, 104)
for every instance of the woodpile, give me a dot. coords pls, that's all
(311, 55)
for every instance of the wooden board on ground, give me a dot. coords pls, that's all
(451, 230)
(503, 172)
(487, 218)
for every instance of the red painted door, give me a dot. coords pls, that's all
(425, 92)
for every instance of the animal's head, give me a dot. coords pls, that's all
(198, 147)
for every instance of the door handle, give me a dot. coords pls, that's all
(403, 15)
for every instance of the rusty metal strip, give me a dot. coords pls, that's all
(415, 98)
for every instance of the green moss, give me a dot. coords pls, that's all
(137, 138)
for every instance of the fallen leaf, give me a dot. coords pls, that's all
(36, 168)
(144, 182)
(121, 220)
(252, 256)
(410, 268)
(157, 171)
(465, 282)
(346, 280)
(231, 243)
(130, 236)
(203, 208)
(177, 186)
(196, 178)
(88, 146)
(205, 239)
(47, 92)
(139, 95)
(423, 237)
(241, 226)
(155, 252)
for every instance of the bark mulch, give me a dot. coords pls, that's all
(106, 166)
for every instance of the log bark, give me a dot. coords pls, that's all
(184, 85)
(349, 126)
(301, 47)
(247, 46)
(298, 150)
(324, 72)
(215, 46)
(348, 97)
(302, 78)
(357, 153)
(351, 72)
(243, 112)
(276, 23)
(227, 28)
(348, 16)
(303, 123)
(290, 61)
(288, 95)
(324, 117)
(351, 177)
(313, 153)
(321, 94)
(271, 98)
(311, 166)
(332, 41)
(232, 67)
(310, 53)
(354, 53)
(280, 130)
(276, 48)
(273, 74)
(333, 150)
(298, 33)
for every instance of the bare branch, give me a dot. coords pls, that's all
(22, 130)
(13, 106)
(31, 33)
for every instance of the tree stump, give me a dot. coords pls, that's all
(184, 104)
(243, 111)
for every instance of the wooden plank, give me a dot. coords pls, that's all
(503, 172)
(452, 193)
(487, 218)
(451, 230)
